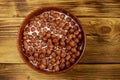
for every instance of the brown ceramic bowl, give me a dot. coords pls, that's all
(37, 12)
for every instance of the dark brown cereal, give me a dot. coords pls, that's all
(50, 41)
(73, 50)
(58, 57)
(56, 68)
(42, 66)
(79, 36)
(53, 54)
(62, 60)
(72, 60)
(62, 16)
(67, 63)
(31, 58)
(62, 66)
(72, 43)
(68, 57)
(53, 60)
(50, 67)
(77, 53)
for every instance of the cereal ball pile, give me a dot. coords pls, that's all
(51, 41)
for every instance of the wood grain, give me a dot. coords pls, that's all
(103, 40)
(79, 72)
(82, 8)
(101, 22)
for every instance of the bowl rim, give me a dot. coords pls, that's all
(37, 12)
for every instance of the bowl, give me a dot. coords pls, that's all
(40, 11)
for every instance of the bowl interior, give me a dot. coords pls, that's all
(26, 21)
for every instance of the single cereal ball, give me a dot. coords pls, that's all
(67, 63)
(64, 33)
(57, 21)
(68, 57)
(51, 46)
(71, 30)
(63, 54)
(53, 54)
(72, 43)
(68, 19)
(79, 36)
(55, 40)
(58, 57)
(33, 29)
(30, 37)
(73, 56)
(44, 39)
(41, 55)
(50, 41)
(73, 50)
(44, 51)
(76, 46)
(39, 28)
(50, 67)
(48, 35)
(25, 44)
(62, 60)
(25, 33)
(58, 52)
(77, 53)
(75, 28)
(36, 55)
(43, 24)
(72, 60)
(62, 39)
(66, 27)
(33, 41)
(56, 68)
(62, 16)
(72, 23)
(44, 61)
(58, 62)
(68, 47)
(52, 12)
(46, 15)
(42, 66)
(62, 43)
(73, 36)
(53, 36)
(56, 15)
(30, 53)
(67, 40)
(34, 34)
(25, 37)
(76, 40)
(48, 51)
(70, 36)
(76, 32)
(40, 35)
(27, 29)
(31, 58)
(53, 60)
(62, 24)
(62, 66)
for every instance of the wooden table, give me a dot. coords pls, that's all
(101, 21)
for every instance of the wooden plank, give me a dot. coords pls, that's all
(103, 40)
(79, 72)
(83, 8)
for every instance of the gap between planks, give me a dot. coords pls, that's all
(79, 72)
